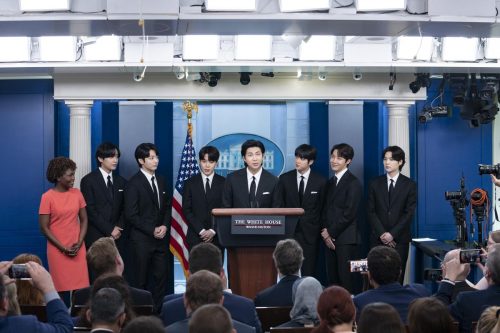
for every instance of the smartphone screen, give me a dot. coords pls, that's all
(359, 265)
(471, 256)
(19, 272)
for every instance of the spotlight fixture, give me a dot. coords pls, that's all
(245, 78)
(213, 78)
(432, 112)
(356, 76)
(270, 74)
(422, 80)
(459, 84)
(322, 76)
(392, 80)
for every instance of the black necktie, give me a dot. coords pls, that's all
(109, 185)
(301, 190)
(335, 180)
(207, 186)
(253, 187)
(391, 189)
(155, 191)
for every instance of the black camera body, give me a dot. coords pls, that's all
(487, 169)
(19, 272)
(433, 274)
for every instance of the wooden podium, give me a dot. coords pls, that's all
(250, 243)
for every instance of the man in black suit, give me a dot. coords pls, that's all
(147, 211)
(103, 193)
(252, 186)
(107, 311)
(288, 258)
(470, 304)
(305, 188)
(392, 199)
(202, 193)
(340, 217)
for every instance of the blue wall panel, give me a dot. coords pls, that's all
(318, 132)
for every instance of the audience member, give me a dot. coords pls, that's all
(461, 283)
(144, 324)
(27, 294)
(107, 311)
(203, 287)
(380, 318)
(288, 259)
(104, 259)
(59, 320)
(384, 269)
(429, 315)
(14, 309)
(305, 295)
(489, 321)
(469, 306)
(493, 238)
(207, 256)
(211, 318)
(336, 311)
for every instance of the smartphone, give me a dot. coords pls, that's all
(471, 256)
(433, 274)
(359, 266)
(19, 272)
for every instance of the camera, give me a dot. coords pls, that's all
(433, 274)
(358, 266)
(357, 76)
(19, 272)
(471, 256)
(485, 169)
(137, 77)
(453, 195)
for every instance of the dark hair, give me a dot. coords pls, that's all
(105, 150)
(252, 143)
(101, 256)
(343, 150)
(380, 318)
(57, 167)
(149, 324)
(335, 307)
(398, 154)
(429, 315)
(306, 151)
(106, 306)
(288, 256)
(205, 256)
(384, 264)
(210, 318)
(142, 152)
(203, 287)
(211, 151)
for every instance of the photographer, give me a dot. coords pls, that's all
(461, 283)
(493, 238)
(59, 320)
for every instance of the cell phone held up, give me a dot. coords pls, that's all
(19, 272)
(359, 266)
(471, 256)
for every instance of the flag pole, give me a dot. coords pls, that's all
(189, 107)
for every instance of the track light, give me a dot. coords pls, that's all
(213, 78)
(422, 80)
(245, 78)
(322, 76)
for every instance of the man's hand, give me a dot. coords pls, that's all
(453, 269)
(160, 232)
(329, 241)
(40, 277)
(4, 269)
(386, 238)
(116, 233)
(207, 235)
(495, 180)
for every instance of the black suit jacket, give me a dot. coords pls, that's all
(394, 217)
(183, 327)
(278, 295)
(197, 206)
(141, 211)
(341, 208)
(236, 194)
(137, 296)
(309, 224)
(104, 212)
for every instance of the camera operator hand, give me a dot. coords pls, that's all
(452, 269)
(40, 277)
(495, 180)
(4, 269)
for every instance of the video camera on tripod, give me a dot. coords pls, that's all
(459, 202)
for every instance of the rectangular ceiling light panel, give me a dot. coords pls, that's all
(104, 48)
(460, 49)
(230, 5)
(253, 47)
(492, 48)
(200, 47)
(379, 5)
(303, 5)
(317, 48)
(415, 48)
(43, 5)
(57, 48)
(15, 49)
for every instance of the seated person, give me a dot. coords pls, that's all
(202, 288)
(429, 315)
(380, 318)
(336, 311)
(288, 258)
(143, 324)
(107, 311)
(211, 318)
(493, 238)
(59, 320)
(384, 269)
(305, 295)
(14, 309)
(489, 322)
(461, 282)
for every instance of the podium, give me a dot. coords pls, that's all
(250, 236)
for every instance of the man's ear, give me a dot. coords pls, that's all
(310, 162)
(89, 317)
(121, 319)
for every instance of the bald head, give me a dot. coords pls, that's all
(455, 254)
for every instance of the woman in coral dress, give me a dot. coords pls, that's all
(63, 220)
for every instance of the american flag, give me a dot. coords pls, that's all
(187, 169)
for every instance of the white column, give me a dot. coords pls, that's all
(79, 137)
(399, 129)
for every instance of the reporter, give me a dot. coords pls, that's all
(493, 238)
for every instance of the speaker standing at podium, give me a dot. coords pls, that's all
(252, 186)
